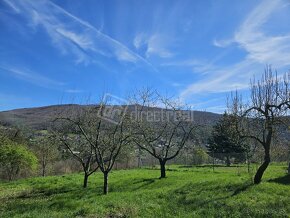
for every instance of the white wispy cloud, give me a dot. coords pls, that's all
(156, 44)
(73, 35)
(199, 66)
(124, 55)
(222, 43)
(139, 40)
(83, 41)
(196, 66)
(74, 91)
(216, 109)
(31, 77)
(261, 49)
(16, 9)
(234, 77)
(189, 63)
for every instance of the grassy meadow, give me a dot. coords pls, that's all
(186, 192)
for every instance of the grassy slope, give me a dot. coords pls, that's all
(187, 192)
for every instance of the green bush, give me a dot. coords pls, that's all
(15, 158)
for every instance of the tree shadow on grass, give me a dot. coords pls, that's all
(206, 194)
(34, 193)
(132, 184)
(144, 183)
(207, 166)
(243, 188)
(284, 180)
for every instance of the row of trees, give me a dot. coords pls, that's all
(96, 136)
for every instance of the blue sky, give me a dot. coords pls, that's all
(57, 51)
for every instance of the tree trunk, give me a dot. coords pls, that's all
(86, 176)
(106, 183)
(139, 158)
(213, 161)
(263, 167)
(228, 162)
(139, 162)
(43, 167)
(127, 163)
(9, 176)
(289, 168)
(10, 172)
(162, 169)
(248, 162)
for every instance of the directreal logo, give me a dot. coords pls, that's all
(113, 108)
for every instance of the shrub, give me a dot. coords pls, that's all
(14, 158)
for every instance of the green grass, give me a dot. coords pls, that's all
(186, 192)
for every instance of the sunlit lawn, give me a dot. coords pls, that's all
(186, 192)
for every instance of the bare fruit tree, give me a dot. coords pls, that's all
(99, 139)
(111, 136)
(68, 130)
(161, 127)
(46, 149)
(266, 111)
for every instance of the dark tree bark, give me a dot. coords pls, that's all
(248, 162)
(289, 168)
(86, 176)
(43, 167)
(267, 159)
(213, 161)
(106, 188)
(228, 162)
(263, 167)
(10, 175)
(162, 169)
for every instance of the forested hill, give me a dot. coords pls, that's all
(39, 118)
